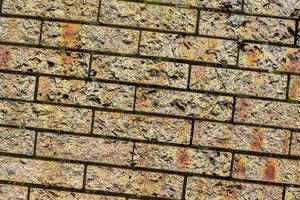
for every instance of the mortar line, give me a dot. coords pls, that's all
(84, 177)
(290, 142)
(98, 14)
(198, 21)
(90, 65)
(192, 133)
(243, 6)
(36, 88)
(35, 143)
(41, 32)
(296, 32)
(189, 77)
(233, 110)
(231, 165)
(28, 193)
(184, 188)
(283, 192)
(134, 98)
(288, 88)
(132, 155)
(1, 2)
(92, 123)
(139, 42)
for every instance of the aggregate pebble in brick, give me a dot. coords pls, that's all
(239, 137)
(86, 93)
(184, 103)
(134, 182)
(45, 116)
(148, 16)
(292, 193)
(142, 127)
(268, 169)
(72, 10)
(182, 159)
(84, 148)
(90, 37)
(140, 70)
(238, 81)
(268, 113)
(13, 192)
(294, 90)
(295, 145)
(188, 47)
(213, 189)
(19, 30)
(246, 27)
(41, 172)
(44, 61)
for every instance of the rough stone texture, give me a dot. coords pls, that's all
(140, 71)
(292, 193)
(294, 90)
(241, 137)
(45, 116)
(12, 192)
(182, 159)
(41, 172)
(142, 127)
(84, 148)
(134, 182)
(184, 103)
(246, 27)
(238, 81)
(90, 37)
(188, 47)
(295, 145)
(203, 188)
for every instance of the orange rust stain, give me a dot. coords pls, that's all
(270, 170)
(4, 56)
(257, 140)
(294, 88)
(242, 108)
(252, 56)
(66, 58)
(69, 34)
(183, 158)
(240, 168)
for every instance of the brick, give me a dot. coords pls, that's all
(182, 159)
(17, 141)
(19, 30)
(203, 188)
(134, 182)
(8, 192)
(292, 193)
(142, 127)
(188, 47)
(294, 90)
(138, 70)
(46, 173)
(239, 137)
(238, 82)
(268, 113)
(271, 58)
(90, 37)
(82, 148)
(295, 145)
(45, 116)
(86, 93)
(246, 27)
(17, 86)
(71, 10)
(184, 103)
(266, 169)
(148, 16)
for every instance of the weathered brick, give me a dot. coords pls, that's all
(90, 37)
(41, 172)
(238, 81)
(17, 86)
(72, 10)
(148, 16)
(295, 145)
(294, 90)
(292, 193)
(142, 127)
(13, 192)
(45, 116)
(140, 71)
(134, 182)
(86, 93)
(266, 169)
(84, 148)
(16, 141)
(203, 188)
(182, 159)
(19, 30)
(246, 27)
(239, 137)
(267, 112)
(184, 103)
(188, 47)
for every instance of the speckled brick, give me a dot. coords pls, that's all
(142, 127)
(292, 193)
(184, 103)
(295, 145)
(268, 169)
(267, 113)
(13, 192)
(71, 10)
(46, 173)
(203, 188)
(139, 70)
(134, 182)
(188, 47)
(83, 148)
(19, 30)
(17, 86)
(90, 37)
(238, 82)
(45, 116)
(239, 137)
(294, 90)
(247, 27)
(182, 159)
(86, 93)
